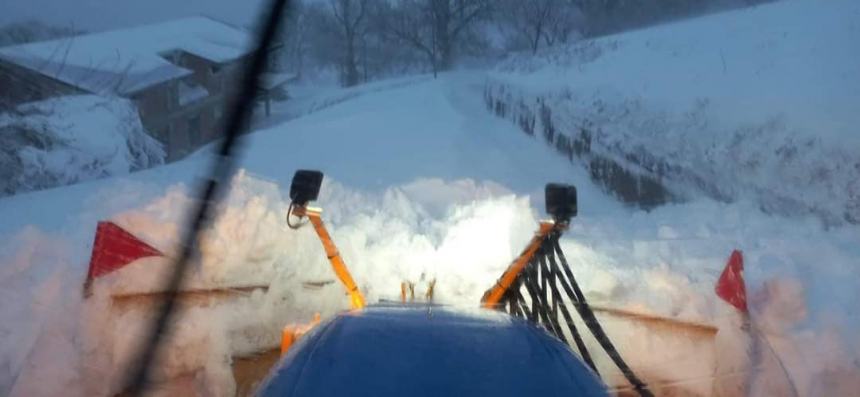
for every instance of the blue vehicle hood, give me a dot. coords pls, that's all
(429, 350)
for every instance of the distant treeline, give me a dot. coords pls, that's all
(363, 40)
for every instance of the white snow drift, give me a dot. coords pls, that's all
(66, 140)
(759, 103)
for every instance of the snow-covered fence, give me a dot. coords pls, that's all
(649, 157)
(634, 184)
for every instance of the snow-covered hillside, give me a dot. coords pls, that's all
(757, 103)
(421, 180)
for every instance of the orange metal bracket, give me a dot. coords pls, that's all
(407, 286)
(428, 296)
(292, 333)
(491, 298)
(356, 299)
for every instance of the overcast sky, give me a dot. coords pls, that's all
(97, 15)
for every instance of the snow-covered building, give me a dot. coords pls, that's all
(177, 72)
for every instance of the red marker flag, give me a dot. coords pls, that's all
(114, 248)
(731, 285)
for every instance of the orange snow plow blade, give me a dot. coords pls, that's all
(250, 370)
(661, 350)
(292, 333)
(192, 297)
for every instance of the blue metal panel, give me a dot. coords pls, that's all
(428, 350)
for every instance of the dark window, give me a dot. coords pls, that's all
(194, 136)
(168, 133)
(169, 95)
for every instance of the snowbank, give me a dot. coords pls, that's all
(387, 237)
(758, 103)
(66, 140)
(665, 263)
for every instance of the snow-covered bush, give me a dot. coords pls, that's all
(716, 105)
(65, 140)
(785, 170)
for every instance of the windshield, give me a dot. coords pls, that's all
(702, 138)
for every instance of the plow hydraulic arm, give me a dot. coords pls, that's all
(356, 299)
(493, 296)
(305, 188)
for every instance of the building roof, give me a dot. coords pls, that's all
(429, 350)
(121, 62)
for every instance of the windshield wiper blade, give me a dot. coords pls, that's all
(210, 193)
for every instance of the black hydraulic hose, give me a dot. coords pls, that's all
(540, 316)
(574, 332)
(596, 329)
(512, 298)
(547, 304)
(522, 304)
(540, 268)
(210, 194)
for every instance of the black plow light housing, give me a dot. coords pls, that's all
(305, 186)
(560, 201)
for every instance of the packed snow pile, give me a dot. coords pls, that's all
(65, 140)
(758, 103)
(405, 233)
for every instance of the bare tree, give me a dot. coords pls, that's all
(406, 23)
(539, 21)
(451, 19)
(367, 39)
(435, 28)
(383, 54)
(295, 41)
(337, 28)
(350, 15)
